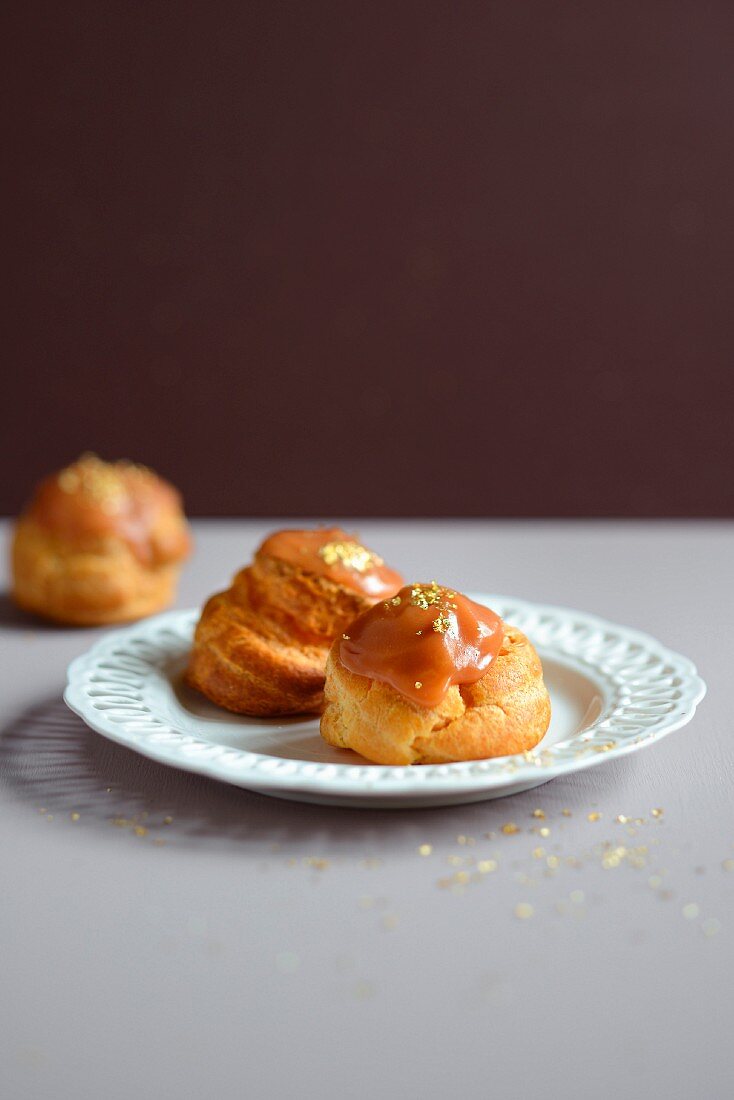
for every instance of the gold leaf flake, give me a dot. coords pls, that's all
(351, 555)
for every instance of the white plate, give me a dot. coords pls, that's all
(613, 691)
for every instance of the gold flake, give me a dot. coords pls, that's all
(317, 864)
(418, 685)
(346, 637)
(657, 813)
(425, 849)
(523, 910)
(364, 990)
(486, 866)
(69, 480)
(538, 853)
(168, 820)
(140, 830)
(553, 862)
(566, 813)
(728, 865)
(538, 813)
(595, 816)
(104, 483)
(510, 828)
(75, 816)
(544, 831)
(442, 623)
(431, 595)
(351, 555)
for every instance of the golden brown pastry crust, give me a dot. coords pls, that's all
(260, 647)
(71, 573)
(506, 711)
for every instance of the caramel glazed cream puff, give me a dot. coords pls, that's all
(430, 677)
(99, 543)
(260, 648)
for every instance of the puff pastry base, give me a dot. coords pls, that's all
(260, 648)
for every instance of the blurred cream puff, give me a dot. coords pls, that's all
(99, 542)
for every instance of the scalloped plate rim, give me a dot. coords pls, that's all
(380, 783)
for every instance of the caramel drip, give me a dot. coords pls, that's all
(422, 641)
(330, 552)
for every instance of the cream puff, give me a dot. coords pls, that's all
(260, 647)
(431, 677)
(100, 542)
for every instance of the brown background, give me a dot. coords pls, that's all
(405, 258)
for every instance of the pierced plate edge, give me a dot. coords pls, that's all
(581, 635)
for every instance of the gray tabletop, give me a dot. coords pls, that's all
(163, 935)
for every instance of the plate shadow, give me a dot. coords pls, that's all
(50, 760)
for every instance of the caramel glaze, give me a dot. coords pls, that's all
(422, 641)
(330, 552)
(93, 500)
